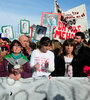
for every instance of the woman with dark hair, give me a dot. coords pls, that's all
(42, 59)
(16, 65)
(66, 63)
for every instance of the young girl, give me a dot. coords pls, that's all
(16, 65)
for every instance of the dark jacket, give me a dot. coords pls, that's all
(60, 66)
(83, 59)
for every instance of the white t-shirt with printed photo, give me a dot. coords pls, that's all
(39, 57)
(68, 67)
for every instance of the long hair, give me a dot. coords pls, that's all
(57, 46)
(68, 42)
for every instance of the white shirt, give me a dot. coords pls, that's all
(39, 57)
(68, 67)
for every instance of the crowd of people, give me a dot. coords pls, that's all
(23, 58)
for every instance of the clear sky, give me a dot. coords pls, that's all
(11, 11)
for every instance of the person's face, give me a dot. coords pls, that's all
(78, 40)
(6, 31)
(69, 49)
(25, 25)
(44, 49)
(24, 41)
(70, 71)
(16, 49)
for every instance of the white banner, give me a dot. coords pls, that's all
(72, 21)
(79, 14)
(60, 88)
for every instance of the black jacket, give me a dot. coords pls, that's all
(83, 59)
(60, 66)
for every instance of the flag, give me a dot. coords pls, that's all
(64, 16)
(56, 7)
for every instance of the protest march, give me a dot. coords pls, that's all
(48, 61)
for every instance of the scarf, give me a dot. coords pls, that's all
(77, 48)
(16, 57)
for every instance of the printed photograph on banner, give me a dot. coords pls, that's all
(50, 19)
(40, 32)
(8, 30)
(77, 17)
(24, 26)
(75, 21)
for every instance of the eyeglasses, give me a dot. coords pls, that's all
(17, 46)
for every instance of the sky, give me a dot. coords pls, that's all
(12, 11)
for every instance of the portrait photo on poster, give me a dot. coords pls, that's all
(50, 19)
(8, 30)
(40, 32)
(25, 26)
